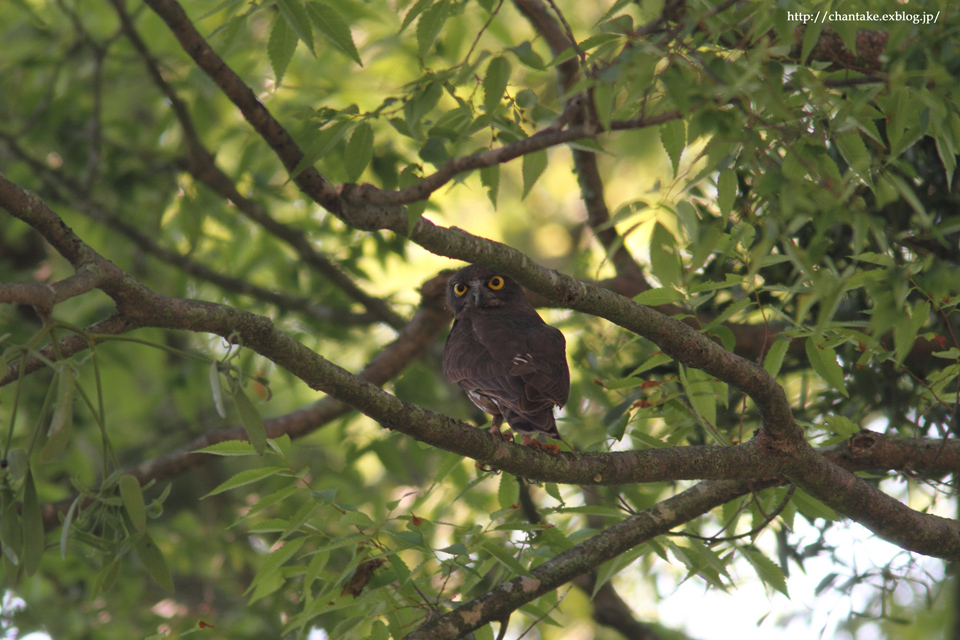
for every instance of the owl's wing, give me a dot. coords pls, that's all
(532, 356)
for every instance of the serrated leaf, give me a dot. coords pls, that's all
(251, 420)
(767, 570)
(429, 26)
(811, 35)
(824, 362)
(152, 560)
(324, 144)
(663, 257)
(508, 493)
(415, 11)
(533, 166)
(32, 527)
(281, 46)
(658, 296)
(274, 561)
(359, 151)
(228, 448)
(132, 496)
(841, 425)
(603, 94)
(490, 179)
(379, 631)
(811, 508)
(726, 191)
(774, 358)
(854, 151)
(495, 83)
(673, 137)
(246, 477)
(332, 25)
(504, 557)
(296, 16)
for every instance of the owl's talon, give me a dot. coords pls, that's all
(532, 442)
(485, 469)
(495, 430)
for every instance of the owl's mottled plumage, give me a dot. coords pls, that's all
(500, 351)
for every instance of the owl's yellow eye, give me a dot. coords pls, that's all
(496, 283)
(459, 288)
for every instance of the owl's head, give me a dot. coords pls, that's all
(478, 287)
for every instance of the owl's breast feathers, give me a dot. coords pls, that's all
(510, 363)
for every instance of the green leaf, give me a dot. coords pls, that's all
(603, 100)
(774, 358)
(324, 144)
(726, 191)
(280, 48)
(132, 496)
(841, 425)
(62, 421)
(10, 532)
(19, 464)
(65, 529)
(275, 560)
(673, 137)
(216, 389)
(508, 494)
(702, 396)
(663, 257)
(228, 448)
(658, 296)
(811, 35)
(296, 15)
(244, 478)
(251, 420)
(490, 179)
(854, 151)
(152, 560)
(767, 570)
(429, 26)
(335, 28)
(32, 527)
(495, 83)
(533, 166)
(359, 151)
(415, 11)
(504, 557)
(824, 362)
(811, 508)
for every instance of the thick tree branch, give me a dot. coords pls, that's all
(779, 446)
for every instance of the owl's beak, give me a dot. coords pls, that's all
(475, 291)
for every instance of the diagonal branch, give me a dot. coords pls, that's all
(510, 595)
(779, 446)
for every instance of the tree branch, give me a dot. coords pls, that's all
(778, 446)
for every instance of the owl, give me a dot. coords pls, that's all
(510, 362)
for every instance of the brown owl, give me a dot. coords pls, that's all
(510, 362)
